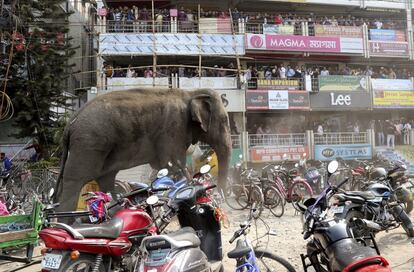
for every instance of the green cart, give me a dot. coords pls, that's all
(19, 231)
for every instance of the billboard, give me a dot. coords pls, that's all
(274, 42)
(276, 100)
(278, 29)
(346, 152)
(339, 100)
(279, 84)
(275, 153)
(342, 83)
(343, 31)
(387, 35)
(388, 49)
(392, 93)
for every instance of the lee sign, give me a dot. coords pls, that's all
(346, 152)
(340, 99)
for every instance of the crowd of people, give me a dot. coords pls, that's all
(390, 132)
(282, 71)
(130, 72)
(139, 19)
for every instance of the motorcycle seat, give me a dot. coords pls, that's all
(110, 229)
(186, 234)
(241, 250)
(357, 196)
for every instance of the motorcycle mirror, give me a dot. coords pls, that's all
(240, 156)
(51, 192)
(209, 158)
(152, 200)
(162, 173)
(333, 166)
(205, 169)
(170, 164)
(285, 156)
(296, 164)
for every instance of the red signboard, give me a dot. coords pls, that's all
(392, 49)
(277, 100)
(275, 153)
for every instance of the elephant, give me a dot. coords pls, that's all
(124, 129)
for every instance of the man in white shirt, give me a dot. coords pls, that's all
(406, 133)
(325, 72)
(282, 72)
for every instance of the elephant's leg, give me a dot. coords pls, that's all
(107, 182)
(77, 173)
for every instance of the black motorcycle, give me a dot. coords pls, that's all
(377, 207)
(333, 246)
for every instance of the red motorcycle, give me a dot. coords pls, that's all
(111, 245)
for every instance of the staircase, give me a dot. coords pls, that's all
(394, 155)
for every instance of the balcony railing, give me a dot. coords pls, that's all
(236, 143)
(338, 138)
(292, 139)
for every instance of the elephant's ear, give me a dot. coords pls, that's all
(201, 111)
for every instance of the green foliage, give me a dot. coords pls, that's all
(51, 162)
(40, 69)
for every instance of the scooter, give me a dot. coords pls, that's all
(333, 247)
(195, 247)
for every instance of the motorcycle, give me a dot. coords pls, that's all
(333, 248)
(197, 246)
(311, 174)
(377, 207)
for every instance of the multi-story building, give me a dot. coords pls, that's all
(282, 67)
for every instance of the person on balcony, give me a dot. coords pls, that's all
(158, 21)
(282, 72)
(135, 12)
(391, 74)
(290, 72)
(130, 72)
(144, 19)
(325, 72)
(118, 20)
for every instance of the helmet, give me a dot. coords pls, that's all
(377, 173)
(379, 189)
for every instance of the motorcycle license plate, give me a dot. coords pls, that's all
(337, 209)
(51, 261)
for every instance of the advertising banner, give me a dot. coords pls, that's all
(276, 100)
(343, 31)
(387, 35)
(304, 43)
(278, 84)
(278, 29)
(391, 49)
(392, 93)
(346, 152)
(133, 44)
(342, 83)
(339, 100)
(275, 153)
(215, 25)
(208, 82)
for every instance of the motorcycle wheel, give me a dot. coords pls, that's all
(358, 232)
(406, 223)
(84, 263)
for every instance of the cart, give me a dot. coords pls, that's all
(20, 238)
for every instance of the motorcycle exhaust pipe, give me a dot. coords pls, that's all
(364, 223)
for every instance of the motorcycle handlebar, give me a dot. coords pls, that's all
(342, 183)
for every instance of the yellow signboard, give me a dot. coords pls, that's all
(394, 99)
(91, 186)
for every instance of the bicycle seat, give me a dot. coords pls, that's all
(241, 250)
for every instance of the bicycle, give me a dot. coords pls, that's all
(292, 188)
(253, 259)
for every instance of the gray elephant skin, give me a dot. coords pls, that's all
(123, 129)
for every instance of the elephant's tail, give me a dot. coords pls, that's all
(65, 152)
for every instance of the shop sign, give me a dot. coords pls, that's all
(278, 29)
(304, 43)
(392, 49)
(279, 84)
(342, 83)
(346, 152)
(276, 100)
(343, 31)
(275, 153)
(387, 35)
(340, 100)
(393, 93)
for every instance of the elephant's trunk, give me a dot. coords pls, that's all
(223, 151)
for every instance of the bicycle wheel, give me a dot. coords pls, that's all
(268, 262)
(234, 192)
(254, 199)
(273, 200)
(300, 191)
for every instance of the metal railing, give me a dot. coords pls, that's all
(236, 143)
(341, 138)
(290, 139)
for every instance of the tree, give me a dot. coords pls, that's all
(40, 69)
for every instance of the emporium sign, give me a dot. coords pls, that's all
(342, 83)
(303, 43)
(346, 152)
(344, 31)
(276, 100)
(275, 153)
(280, 84)
(388, 49)
(392, 93)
